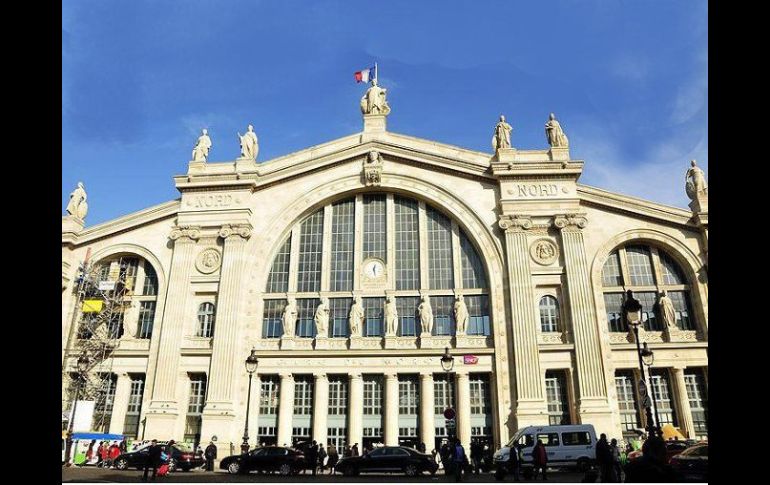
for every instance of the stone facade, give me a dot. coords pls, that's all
(537, 231)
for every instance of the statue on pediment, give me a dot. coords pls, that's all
(374, 102)
(356, 317)
(200, 152)
(554, 133)
(249, 144)
(290, 317)
(502, 136)
(695, 182)
(77, 205)
(461, 315)
(667, 310)
(322, 317)
(391, 316)
(426, 315)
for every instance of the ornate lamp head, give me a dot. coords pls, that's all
(252, 361)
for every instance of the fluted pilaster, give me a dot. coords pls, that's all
(682, 403)
(427, 417)
(464, 409)
(391, 409)
(320, 407)
(356, 410)
(285, 409)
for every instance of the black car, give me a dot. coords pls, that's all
(393, 459)
(693, 463)
(182, 458)
(286, 461)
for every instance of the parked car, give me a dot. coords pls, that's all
(286, 461)
(673, 447)
(693, 463)
(566, 446)
(182, 458)
(392, 459)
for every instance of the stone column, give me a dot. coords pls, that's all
(285, 409)
(531, 408)
(684, 412)
(427, 416)
(463, 386)
(219, 413)
(356, 410)
(391, 409)
(120, 403)
(164, 408)
(593, 404)
(320, 407)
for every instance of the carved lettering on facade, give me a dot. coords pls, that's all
(212, 200)
(536, 190)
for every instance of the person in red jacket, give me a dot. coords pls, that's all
(539, 458)
(113, 452)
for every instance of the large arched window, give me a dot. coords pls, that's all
(647, 271)
(206, 320)
(549, 314)
(371, 244)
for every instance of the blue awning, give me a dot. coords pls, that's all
(97, 436)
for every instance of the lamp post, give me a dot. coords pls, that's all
(447, 363)
(633, 312)
(251, 366)
(82, 365)
(648, 357)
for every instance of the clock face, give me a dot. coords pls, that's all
(374, 269)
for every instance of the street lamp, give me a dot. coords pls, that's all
(251, 366)
(633, 312)
(82, 365)
(447, 363)
(648, 357)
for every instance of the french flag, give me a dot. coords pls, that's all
(365, 75)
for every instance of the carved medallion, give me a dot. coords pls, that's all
(208, 261)
(544, 251)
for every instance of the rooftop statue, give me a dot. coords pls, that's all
(695, 182)
(502, 136)
(249, 144)
(554, 133)
(200, 152)
(374, 102)
(77, 205)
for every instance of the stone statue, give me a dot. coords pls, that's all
(502, 137)
(374, 102)
(290, 317)
(554, 133)
(373, 168)
(695, 182)
(667, 310)
(391, 316)
(77, 205)
(322, 318)
(201, 151)
(426, 315)
(356, 317)
(461, 315)
(249, 144)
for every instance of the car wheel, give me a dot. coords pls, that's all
(411, 470)
(172, 465)
(583, 465)
(121, 464)
(234, 468)
(285, 469)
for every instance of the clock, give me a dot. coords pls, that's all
(374, 269)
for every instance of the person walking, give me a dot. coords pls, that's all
(604, 459)
(539, 459)
(354, 450)
(615, 454)
(421, 447)
(104, 454)
(112, 452)
(514, 461)
(89, 453)
(210, 454)
(334, 457)
(321, 458)
(153, 460)
(312, 457)
(458, 460)
(346, 451)
(445, 453)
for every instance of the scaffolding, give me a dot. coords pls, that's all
(103, 293)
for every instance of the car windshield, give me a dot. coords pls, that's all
(696, 451)
(515, 438)
(183, 447)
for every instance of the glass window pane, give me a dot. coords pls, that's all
(339, 309)
(443, 315)
(473, 269)
(408, 321)
(278, 280)
(407, 240)
(649, 302)
(640, 265)
(670, 271)
(479, 394)
(478, 315)
(306, 316)
(150, 280)
(206, 320)
(343, 215)
(373, 311)
(611, 271)
(408, 395)
(373, 395)
(272, 321)
(613, 303)
(557, 398)
(681, 301)
(310, 242)
(549, 314)
(146, 318)
(624, 387)
(443, 394)
(269, 388)
(338, 395)
(440, 266)
(303, 395)
(662, 389)
(374, 226)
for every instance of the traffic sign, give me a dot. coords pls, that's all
(449, 413)
(450, 424)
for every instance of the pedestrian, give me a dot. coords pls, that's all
(458, 460)
(210, 454)
(312, 456)
(321, 458)
(651, 467)
(514, 461)
(477, 453)
(153, 460)
(89, 453)
(112, 453)
(615, 453)
(123, 446)
(539, 459)
(421, 447)
(104, 454)
(604, 459)
(354, 450)
(334, 457)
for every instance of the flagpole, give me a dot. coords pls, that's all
(375, 72)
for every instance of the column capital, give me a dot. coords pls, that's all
(426, 375)
(185, 233)
(463, 375)
(355, 375)
(231, 230)
(320, 376)
(515, 223)
(391, 375)
(677, 368)
(573, 222)
(286, 375)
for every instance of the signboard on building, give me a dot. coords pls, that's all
(470, 359)
(106, 285)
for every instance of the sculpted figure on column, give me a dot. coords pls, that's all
(554, 133)
(356, 317)
(391, 316)
(667, 310)
(426, 315)
(695, 182)
(77, 205)
(461, 315)
(322, 317)
(249, 144)
(502, 136)
(374, 102)
(200, 152)
(290, 317)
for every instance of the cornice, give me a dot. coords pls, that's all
(129, 221)
(634, 205)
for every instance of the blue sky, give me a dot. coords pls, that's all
(626, 79)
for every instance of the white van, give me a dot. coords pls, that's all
(566, 445)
